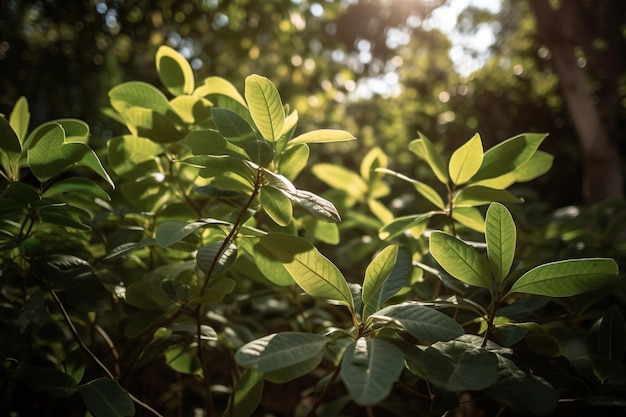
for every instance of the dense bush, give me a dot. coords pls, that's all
(181, 273)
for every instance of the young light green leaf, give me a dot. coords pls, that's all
(369, 368)
(20, 118)
(420, 321)
(403, 224)
(341, 178)
(280, 350)
(376, 274)
(104, 397)
(457, 366)
(314, 273)
(501, 237)
(508, 155)
(424, 148)
(477, 195)
(174, 71)
(265, 106)
(276, 204)
(137, 94)
(292, 160)
(469, 217)
(11, 149)
(466, 160)
(460, 260)
(424, 189)
(396, 280)
(206, 256)
(323, 136)
(537, 165)
(567, 278)
(219, 86)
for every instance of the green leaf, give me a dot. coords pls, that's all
(466, 160)
(77, 185)
(127, 151)
(293, 160)
(612, 335)
(424, 148)
(501, 237)
(151, 124)
(420, 321)
(537, 165)
(400, 225)
(315, 274)
(20, 118)
(477, 195)
(171, 232)
(294, 371)
(376, 274)
(276, 204)
(206, 142)
(183, 359)
(341, 178)
(316, 205)
(174, 71)
(369, 369)
(567, 278)
(9, 141)
(52, 380)
(323, 136)
(508, 155)
(280, 350)
(232, 126)
(146, 295)
(270, 267)
(469, 217)
(206, 256)
(219, 86)
(50, 155)
(104, 397)
(384, 277)
(457, 366)
(265, 106)
(137, 94)
(523, 391)
(424, 189)
(247, 394)
(193, 110)
(460, 260)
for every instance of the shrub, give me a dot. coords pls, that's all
(184, 268)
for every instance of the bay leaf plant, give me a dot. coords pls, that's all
(151, 265)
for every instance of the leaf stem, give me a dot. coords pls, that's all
(320, 398)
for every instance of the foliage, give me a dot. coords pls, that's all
(184, 262)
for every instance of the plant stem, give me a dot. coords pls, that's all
(320, 398)
(85, 348)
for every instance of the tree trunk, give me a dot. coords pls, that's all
(558, 29)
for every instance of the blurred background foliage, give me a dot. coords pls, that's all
(382, 69)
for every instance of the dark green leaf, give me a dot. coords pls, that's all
(104, 397)
(421, 322)
(40, 378)
(280, 350)
(612, 335)
(207, 255)
(369, 369)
